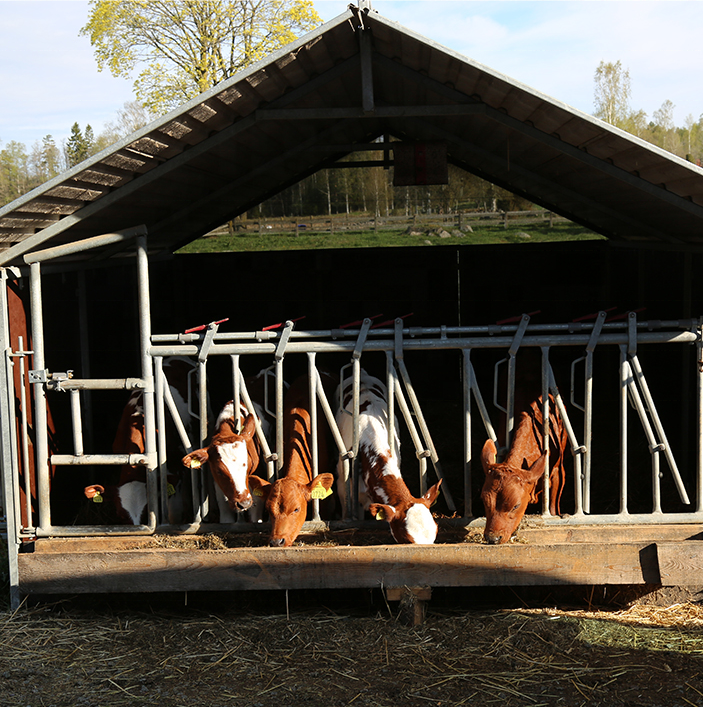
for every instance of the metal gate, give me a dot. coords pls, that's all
(350, 347)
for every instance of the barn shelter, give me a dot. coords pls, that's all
(95, 301)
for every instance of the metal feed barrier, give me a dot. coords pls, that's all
(350, 345)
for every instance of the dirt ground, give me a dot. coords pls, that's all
(328, 649)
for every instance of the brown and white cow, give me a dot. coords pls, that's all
(511, 485)
(287, 498)
(232, 458)
(129, 494)
(382, 489)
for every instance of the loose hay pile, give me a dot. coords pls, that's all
(67, 655)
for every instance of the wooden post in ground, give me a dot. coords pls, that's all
(413, 602)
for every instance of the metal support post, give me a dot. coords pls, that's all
(38, 378)
(467, 381)
(8, 460)
(148, 378)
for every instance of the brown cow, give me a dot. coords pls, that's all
(519, 480)
(287, 498)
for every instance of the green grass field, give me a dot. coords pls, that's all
(311, 240)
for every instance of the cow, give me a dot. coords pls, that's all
(232, 458)
(287, 498)
(382, 490)
(511, 485)
(129, 494)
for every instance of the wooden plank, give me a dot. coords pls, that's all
(681, 564)
(261, 568)
(536, 534)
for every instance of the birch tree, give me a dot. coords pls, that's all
(180, 48)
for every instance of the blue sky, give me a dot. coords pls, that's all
(49, 79)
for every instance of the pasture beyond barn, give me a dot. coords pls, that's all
(94, 302)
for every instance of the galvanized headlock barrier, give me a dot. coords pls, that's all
(350, 345)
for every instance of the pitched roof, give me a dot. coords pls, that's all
(352, 80)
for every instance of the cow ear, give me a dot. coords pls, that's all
(259, 487)
(488, 455)
(195, 459)
(94, 492)
(320, 486)
(249, 427)
(380, 511)
(536, 471)
(432, 493)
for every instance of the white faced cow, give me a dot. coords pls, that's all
(232, 458)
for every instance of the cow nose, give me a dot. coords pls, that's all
(276, 542)
(493, 539)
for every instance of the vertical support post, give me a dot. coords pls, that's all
(77, 422)
(7, 463)
(148, 377)
(312, 393)
(624, 368)
(24, 433)
(159, 385)
(545, 428)
(41, 439)
(588, 410)
(236, 390)
(365, 50)
(85, 353)
(512, 353)
(467, 386)
(699, 430)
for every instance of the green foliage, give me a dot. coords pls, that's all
(612, 104)
(79, 145)
(14, 163)
(308, 240)
(612, 93)
(180, 48)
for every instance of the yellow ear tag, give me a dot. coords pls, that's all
(320, 491)
(170, 490)
(380, 515)
(97, 498)
(195, 463)
(258, 492)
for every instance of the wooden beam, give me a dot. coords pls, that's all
(307, 567)
(681, 564)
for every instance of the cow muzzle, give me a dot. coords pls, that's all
(493, 538)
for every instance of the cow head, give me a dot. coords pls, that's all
(410, 522)
(287, 503)
(231, 457)
(506, 492)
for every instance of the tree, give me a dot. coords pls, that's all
(184, 47)
(612, 93)
(45, 159)
(13, 171)
(79, 145)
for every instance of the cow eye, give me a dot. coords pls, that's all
(516, 506)
(297, 510)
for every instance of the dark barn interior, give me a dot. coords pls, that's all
(357, 84)
(465, 285)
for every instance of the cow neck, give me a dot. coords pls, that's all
(372, 467)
